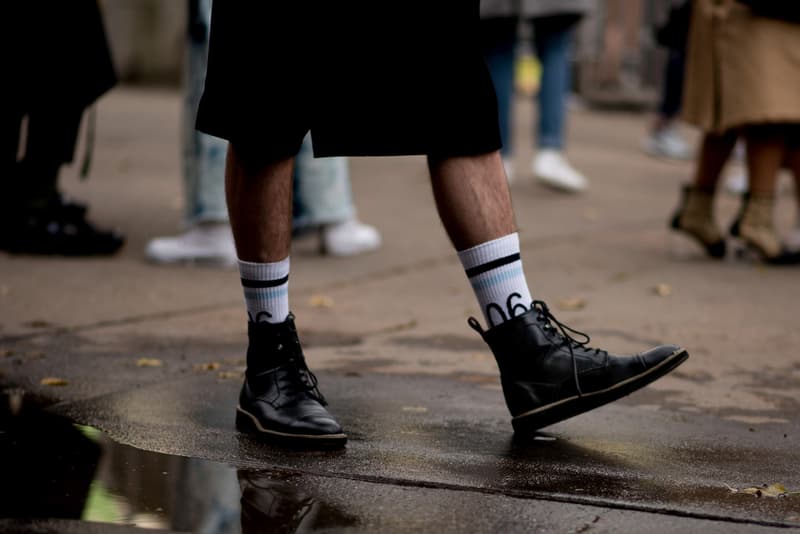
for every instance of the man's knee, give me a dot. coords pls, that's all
(254, 160)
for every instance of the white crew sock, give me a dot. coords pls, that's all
(266, 290)
(495, 271)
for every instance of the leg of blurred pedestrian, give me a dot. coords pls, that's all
(793, 164)
(36, 217)
(324, 201)
(60, 65)
(766, 151)
(553, 37)
(664, 139)
(695, 214)
(207, 238)
(498, 41)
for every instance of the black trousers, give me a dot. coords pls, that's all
(51, 139)
(60, 65)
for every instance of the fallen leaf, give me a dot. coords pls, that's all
(226, 375)
(321, 301)
(415, 409)
(212, 366)
(149, 362)
(620, 277)
(37, 323)
(53, 381)
(663, 290)
(571, 304)
(773, 490)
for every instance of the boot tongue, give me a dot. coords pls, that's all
(272, 345)
(556, 328)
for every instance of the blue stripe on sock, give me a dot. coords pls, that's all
(271, 293)
(498, 278)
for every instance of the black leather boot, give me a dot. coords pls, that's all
(280, 399)
(548, 376)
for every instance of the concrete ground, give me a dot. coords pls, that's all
(430, 441)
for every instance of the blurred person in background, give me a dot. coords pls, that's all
(58, 66)
(553, 23)
(664, 138)
(323, 197)
(742, 76)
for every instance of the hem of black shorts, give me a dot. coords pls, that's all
(263, 150)
(437, 152)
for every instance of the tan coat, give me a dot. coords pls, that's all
(741, 69)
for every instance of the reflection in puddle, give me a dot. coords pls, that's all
(268, 499)
(54, 469)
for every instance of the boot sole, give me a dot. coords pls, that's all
(248, 423)
(556, 412)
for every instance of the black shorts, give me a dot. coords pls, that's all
(364, 78)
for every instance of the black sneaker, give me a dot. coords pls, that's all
(548, 376)
(280, 400)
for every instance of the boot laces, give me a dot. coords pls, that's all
(306, 380)
(552, 324)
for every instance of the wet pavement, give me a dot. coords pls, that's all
(74, 478)
(148, 360)
(449, 434)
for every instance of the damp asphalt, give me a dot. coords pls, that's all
(119, 378)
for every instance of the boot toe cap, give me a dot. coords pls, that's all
(657, 355)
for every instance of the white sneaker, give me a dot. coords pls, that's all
(667, 142)
(736, 182)
(349, 238)
(551, 168)
(202, 243)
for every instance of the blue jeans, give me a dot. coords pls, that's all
(553, 47)
(322, 192)
(322, 186)
(672, 90)
(203, 155)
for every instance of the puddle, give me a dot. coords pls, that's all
(53, 469)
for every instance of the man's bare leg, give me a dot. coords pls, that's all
(474, 204)
(547, 376)
(259, 196)
(473, 199)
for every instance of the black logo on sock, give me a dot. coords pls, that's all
(513, 310)
(261, 317)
